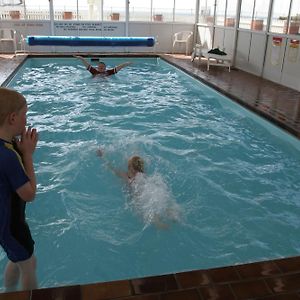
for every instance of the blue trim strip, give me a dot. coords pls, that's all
(90, 41)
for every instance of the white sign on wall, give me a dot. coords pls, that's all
(69, 26)
(87, 28)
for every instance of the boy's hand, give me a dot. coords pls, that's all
(29, 139)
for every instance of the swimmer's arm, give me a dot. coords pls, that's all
(120, 174)
(84, 61)
(121, 66)
(115, 171)
(111, 167)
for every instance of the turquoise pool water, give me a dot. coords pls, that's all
(229, 178)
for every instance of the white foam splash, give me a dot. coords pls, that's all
(151, 199)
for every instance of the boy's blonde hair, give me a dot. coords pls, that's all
(10, 101)
(137, 163)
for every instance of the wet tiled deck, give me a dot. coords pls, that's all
(269, 280)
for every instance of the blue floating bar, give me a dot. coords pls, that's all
(40, 40)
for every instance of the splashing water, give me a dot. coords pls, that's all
(152, 200)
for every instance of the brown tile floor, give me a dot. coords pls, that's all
(268, 280)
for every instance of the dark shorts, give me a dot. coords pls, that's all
(19, 245)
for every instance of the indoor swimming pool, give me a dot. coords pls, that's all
(225, 181)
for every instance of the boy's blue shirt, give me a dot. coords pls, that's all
(12, 176)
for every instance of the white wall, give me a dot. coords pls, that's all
(257, 53)
(224, 39)
(242, 50)
(291, 67)
(274, 61)
(282, 63)
(250, 51)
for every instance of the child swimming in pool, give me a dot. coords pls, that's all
(135, 178)
(135, 166)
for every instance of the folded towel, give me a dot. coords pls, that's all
(217, 51)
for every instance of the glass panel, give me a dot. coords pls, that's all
(37, 10)
(89, 10)
(206, 12)
(64, 10)
(231, 13)
(163, 10)
(220, 12)
(279, 16)
(260, 15)
(295, 18)
(246, 13)
(185, 11)
(140, 10)
(114, 10)
(12, 12)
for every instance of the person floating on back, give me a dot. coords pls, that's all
(101, 68)
(17, 186)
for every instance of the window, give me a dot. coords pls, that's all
(30, 10)
(231, 13)
(254, 14)
(246, 13)
(65, 10)
(12, 12)
(114, 10)
(260, 15)
(206, 12)
(295, 18)
(220, 12)
(279, 16)
(90, 10)
(37, 10)
(140, 10)
(226, 13)
(162, 10)
(185, 11)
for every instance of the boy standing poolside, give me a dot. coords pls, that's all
(17, 186)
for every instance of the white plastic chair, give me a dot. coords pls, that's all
(8, 35)
(182, 37)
